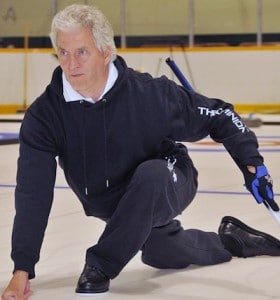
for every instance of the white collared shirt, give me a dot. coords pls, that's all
(72, 95)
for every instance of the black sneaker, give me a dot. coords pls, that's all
(92, 281)
(243, 241)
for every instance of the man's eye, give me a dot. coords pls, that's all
(64, 53)
(83, 52)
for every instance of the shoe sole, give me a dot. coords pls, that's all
(238, 223)
(90, 294)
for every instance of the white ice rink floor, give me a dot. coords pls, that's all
(221, 193)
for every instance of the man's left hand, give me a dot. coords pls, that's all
(259, 183)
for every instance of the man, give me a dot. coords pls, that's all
(114, 131)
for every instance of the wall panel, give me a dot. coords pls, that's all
(146, 17)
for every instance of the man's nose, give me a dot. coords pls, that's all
(73, 62)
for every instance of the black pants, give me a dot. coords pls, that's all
(144, 220)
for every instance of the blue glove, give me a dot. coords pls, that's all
(260, 186)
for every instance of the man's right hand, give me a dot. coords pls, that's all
(18, 288)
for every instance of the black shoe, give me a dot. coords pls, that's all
(242, 241)
(92, 281)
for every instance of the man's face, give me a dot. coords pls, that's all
(85, 67)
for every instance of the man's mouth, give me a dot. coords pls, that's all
(76, 75)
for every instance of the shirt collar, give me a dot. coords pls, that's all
(72, 95)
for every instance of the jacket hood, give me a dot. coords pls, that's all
(56, 81)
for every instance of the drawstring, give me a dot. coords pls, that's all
(105, 142)
(107, 183)
(84, 148)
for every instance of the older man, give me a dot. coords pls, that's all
(116, 133)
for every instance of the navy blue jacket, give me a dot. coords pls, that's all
(100, 145)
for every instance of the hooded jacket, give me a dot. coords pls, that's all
(100, 145)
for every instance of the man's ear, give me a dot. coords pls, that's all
(107, 56)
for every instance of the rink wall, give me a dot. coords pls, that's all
(249, 77)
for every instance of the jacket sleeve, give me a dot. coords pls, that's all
(196, 116)
(36, 175)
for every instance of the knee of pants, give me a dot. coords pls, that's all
(155, 173)
(154, 182)
(152, 171)
(156, 170)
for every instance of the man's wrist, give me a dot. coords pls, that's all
(21, 273)
(252, 169)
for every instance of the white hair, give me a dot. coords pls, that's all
(75, 16)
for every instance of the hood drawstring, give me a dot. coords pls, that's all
(84, 147)
(107, 183)
(105, 142)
